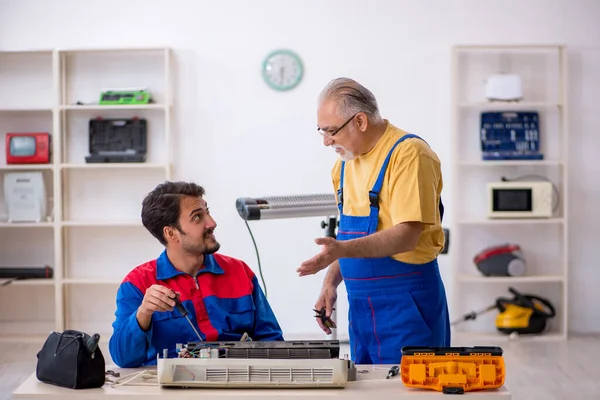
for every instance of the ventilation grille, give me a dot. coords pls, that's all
(252, 374)
(301, 200)
(279, 354)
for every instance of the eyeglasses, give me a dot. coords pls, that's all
(327, 134)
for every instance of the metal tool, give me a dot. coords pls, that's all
(393, 372)
(184, 312)
(92, 344)
(327, 321)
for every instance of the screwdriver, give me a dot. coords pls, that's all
(182, 310)
(392, 372)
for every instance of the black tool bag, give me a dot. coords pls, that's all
(71, 359)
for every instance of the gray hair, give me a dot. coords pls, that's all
(351, 98)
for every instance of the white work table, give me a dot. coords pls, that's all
(369, 385)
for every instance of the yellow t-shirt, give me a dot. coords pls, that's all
(411, 190)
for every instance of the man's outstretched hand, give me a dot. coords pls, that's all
(331, 251)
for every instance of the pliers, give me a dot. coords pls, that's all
(328, 322)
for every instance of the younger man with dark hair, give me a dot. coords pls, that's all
(221, 294)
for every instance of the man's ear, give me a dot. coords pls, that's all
(362, 121)
(170, 234)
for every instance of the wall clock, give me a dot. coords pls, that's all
(282, 70)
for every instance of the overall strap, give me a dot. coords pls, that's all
(340, 191)
(374, 193)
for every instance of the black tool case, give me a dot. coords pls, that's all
(117, 140)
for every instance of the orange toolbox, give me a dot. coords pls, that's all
(453, 370)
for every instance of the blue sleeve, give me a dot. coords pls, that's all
(266, 326)
(128, 344)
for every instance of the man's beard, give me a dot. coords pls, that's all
(202, 248)
(345, 154)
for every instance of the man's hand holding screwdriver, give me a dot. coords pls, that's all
(157, 298)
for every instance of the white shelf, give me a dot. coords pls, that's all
(524, 221)
(30, 282)
(93, 281)
(543, 241)
(501, 106)
(26, 167)
(95, 205)
(517, 47)
(27, 225)
(143, 165)
(491, 338)
(26, 110)
(113, 50)
(8, 52)
(510, 163)
(509, 279)
(98, 107)
(91, 224)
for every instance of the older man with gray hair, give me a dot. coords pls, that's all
(388, 184)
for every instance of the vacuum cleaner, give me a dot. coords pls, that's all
(524, 314)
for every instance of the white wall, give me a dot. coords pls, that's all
(238, 138)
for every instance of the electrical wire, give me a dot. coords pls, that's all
(147, 376)
(258, 258)
(8, 282)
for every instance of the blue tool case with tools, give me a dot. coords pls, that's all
(510, 135)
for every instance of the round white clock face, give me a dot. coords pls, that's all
(282, 70)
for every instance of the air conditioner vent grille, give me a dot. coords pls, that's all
(253, 374)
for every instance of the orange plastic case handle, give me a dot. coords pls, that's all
(453, 369)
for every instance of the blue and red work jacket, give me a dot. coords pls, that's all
(224, 301)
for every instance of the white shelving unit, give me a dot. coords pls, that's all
(544, 242)
(92, 207)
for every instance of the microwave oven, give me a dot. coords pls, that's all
(520, 199)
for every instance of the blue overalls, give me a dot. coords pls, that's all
(391, 303)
